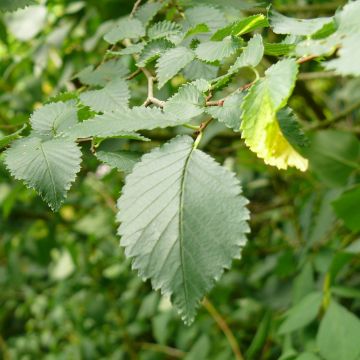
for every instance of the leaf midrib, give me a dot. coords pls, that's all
(49, 170)
(181, 221)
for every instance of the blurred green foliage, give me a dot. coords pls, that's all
(66, 289)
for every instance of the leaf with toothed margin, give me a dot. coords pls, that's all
(122, 160)
(163, 29)
(183, 221)
(125, 28)
(260, 127)
(104, 73)
(241, 27)
(7, 139)
(146, 12)
(171, 62)
(187, 103)
(113, 96)
(12, 5)
(126, 120)
(54, 118)
(152, 50)
(230, 112)
(217, 50)
(48, 166)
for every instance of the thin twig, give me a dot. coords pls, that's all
(224, 327)
(317, 75)
(134, 74)
(167, 350)
(339, 116)
(306, 58)
(150, 97)
(136, 5)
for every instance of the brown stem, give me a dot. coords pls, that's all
(136, 5)
(224, 327)
(150, 97)
(134, 74)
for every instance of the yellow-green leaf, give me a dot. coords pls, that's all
(260, 127)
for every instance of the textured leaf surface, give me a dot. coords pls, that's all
(12, 5)
(125, 28)
(187, 103)
(182, 222)
(259, 125)
(282, 24)
(202, 14)
(145, 13)
(122, 160)
(106, 72)
(114, 96)
(54, 119)
(171, 62)
(241, 27)
(163, 29)
(278, 49)
(198, 69)
(153, 50)
(48, 166)
(251, 56)
(216, 50)
(230, 112)
(338, 335)
(7, 139)
(118, 122)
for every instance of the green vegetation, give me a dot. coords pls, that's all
(217, 142)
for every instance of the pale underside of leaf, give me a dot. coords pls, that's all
(114, 96)
(183, 220)
(171, 62)
(126, 120)
(48, 166)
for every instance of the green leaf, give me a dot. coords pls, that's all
(114, 96)
(183, 220)
(153, 50)
(230, 112)
(282, 24)
(7, 139)
(197, 29)
(126, 120)
(347, 208)
(103, 74)
(198, 69)
(187, 103)
(122, 160)
(203, 14)
(241, 27)
(125, 28)
(48, 166)
(307, 356)
(163, 29)
(132, 49)
(217, 50)
(54, 118)
(333, 156)
(260, 127)
(145, 13)
(171, 62)
(338, 335)
(290, 127)
(251, 55)
(302, 314)
(278, 49)
(12, 5)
